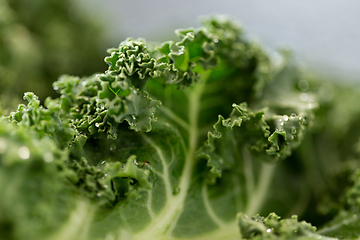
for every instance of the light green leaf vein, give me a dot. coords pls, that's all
(208, 207)
(174, 117)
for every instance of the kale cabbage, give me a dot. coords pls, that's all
(195, 139)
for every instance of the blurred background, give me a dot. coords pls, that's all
(42, 39)
(324, 33)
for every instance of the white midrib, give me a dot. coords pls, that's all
(77, 226)
(166, 220)
(257, 197)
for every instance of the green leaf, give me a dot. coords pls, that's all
(175, 139)
(45, 121)
(29, 180)
(345, 224)
(273, 227)
(132, 60)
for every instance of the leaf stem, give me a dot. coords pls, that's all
(257, 197)
(167, 219)
(248, 173)
(174, 117)
(208, 206)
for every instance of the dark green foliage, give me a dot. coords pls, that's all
(182, 140)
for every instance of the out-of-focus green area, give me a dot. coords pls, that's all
(42, 39)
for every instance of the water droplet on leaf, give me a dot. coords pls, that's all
(113, 147)
(303, 85)
(304, 97)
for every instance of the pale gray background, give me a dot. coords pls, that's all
(323, 33)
